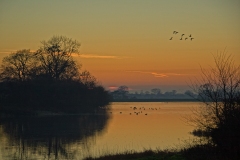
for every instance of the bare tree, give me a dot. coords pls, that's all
(56, 59)
(87, 79)
(17, 66)
(156, 91)
(121, 93)
(219, 90)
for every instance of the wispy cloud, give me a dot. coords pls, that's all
(97, 56)
(159, 75)
(9, 51)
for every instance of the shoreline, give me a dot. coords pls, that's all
(154, 100)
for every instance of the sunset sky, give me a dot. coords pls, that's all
(126, 42)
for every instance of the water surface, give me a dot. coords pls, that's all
(127, 126)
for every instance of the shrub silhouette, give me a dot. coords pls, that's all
(219, 90)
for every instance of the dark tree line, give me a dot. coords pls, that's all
(49, 79)
(122, 93)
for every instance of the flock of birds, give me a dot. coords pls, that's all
(182, 36)
(140, 110)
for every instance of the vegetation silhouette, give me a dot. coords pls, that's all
(122, 94)
(51, 137)
(219, 118)
(50, 80)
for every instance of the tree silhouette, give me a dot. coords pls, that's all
(219, 90)
(56, 59)
(17, 66)
(121, 93)
(156, 91)
(87, 79)
(49, 80)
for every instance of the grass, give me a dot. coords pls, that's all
(195, 152)
(145, 155)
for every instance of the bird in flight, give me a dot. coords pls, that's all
(182, 36)
(175, 32)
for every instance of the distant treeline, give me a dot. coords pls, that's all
(156, 95)
(154, 100)
(49, 80)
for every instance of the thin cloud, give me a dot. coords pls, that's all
(97, 56)
(9, 51)
(159, 75)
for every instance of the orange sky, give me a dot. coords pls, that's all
(127, 42)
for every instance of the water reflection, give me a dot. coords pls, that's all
(50, 137)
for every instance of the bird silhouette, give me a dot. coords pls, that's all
(175, 32)
(182, 36)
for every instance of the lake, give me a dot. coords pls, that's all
(126, 126)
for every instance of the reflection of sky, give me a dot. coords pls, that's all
(162, 127)
(117, 36)
(50, 136)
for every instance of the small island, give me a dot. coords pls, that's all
(49, 81)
